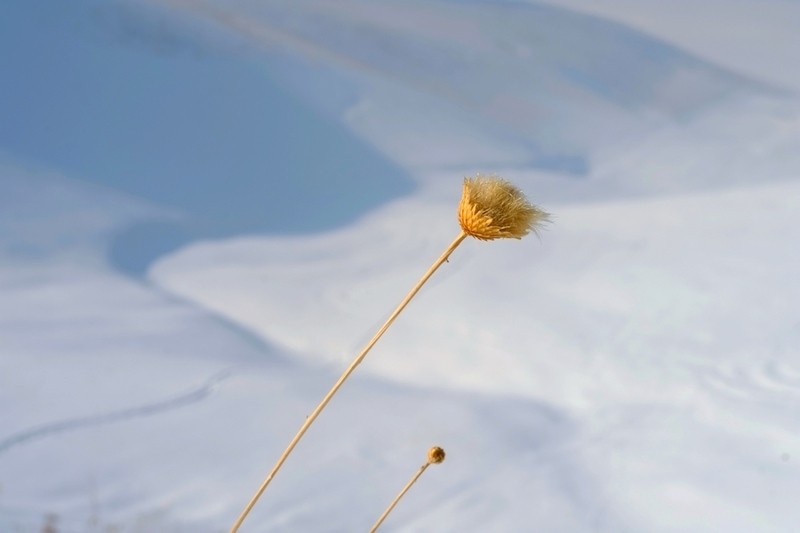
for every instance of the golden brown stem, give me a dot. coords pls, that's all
(397, 498)
(360, 357)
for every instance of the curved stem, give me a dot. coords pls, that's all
(360, 357)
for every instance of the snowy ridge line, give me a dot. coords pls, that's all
(46, 430)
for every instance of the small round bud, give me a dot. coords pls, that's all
(435, 455)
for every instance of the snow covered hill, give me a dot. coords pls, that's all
(207, 206)
(757, 39)
(124, 95)
(500, 82)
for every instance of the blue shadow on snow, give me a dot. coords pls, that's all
(128, 98)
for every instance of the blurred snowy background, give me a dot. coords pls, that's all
(207, 206)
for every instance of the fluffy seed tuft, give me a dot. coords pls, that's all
(492, 208)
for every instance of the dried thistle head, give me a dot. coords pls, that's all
(435, 455)
(492, 208)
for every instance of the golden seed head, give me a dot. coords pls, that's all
(492, 208)
(435, 455)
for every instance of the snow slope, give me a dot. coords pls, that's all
(635, 369)
(500, 82)
(664, 329)
(754, 38)
(125, 95)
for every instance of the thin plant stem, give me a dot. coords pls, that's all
(360, 357)
(397, 498)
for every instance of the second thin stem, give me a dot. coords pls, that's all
(397, 498)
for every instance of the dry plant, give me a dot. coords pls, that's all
(490, 208)
(435, 456)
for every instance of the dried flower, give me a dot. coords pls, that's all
(492, 208)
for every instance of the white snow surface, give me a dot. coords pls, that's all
(755, 38)
(634, 368)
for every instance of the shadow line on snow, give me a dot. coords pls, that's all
(73, 424)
